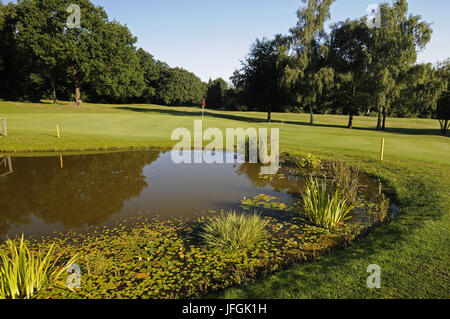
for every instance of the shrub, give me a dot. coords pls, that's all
(326, 206)
(231, 231)
(96, 263)
(308, 161)
(22, 274)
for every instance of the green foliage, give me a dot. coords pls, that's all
(152, 71)
(216, 95)
(423, 85)
(167, 259)
(97, 263)
(347, 56)
(117, 75)
(263, 201)
(346, 181)
(412, 249)
(259, 81)
(42, 57)
(149, 258)
(231, 231)
(308, 160)
(443, 105)
(315, 76)
(352, 70)
(180, 87)
(23, 274)
(330, 205)
(326, 206)
(393, 50)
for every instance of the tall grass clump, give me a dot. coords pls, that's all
(231, 231)
(23, 274)
(329, 206)
(326, 206)
(346, 180)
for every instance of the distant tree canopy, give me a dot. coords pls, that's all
(352, 70)
(259, 80)
(180, 87)
(41, 57)
(443, 104)
(216, 93)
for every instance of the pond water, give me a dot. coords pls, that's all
(39, 196)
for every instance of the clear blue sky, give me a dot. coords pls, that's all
(210, 37)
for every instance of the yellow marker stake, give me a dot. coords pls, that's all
(382, 150)
(57, 130)
(61, 160)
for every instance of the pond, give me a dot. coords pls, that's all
(138, 256)
(42, 195)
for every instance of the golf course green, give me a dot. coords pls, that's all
(412, 249)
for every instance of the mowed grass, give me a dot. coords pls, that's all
(32, 127)
(412, 250)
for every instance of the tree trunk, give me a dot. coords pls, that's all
(444, 126)
(311, 114)
(77, 96)
(350, 121)
(379, 118)
(77, 87)
(384, 119)
(269, 113)
(353, 101)
(54, 92)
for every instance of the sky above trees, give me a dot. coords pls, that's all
(209, 38)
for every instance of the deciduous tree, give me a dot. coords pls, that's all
(393, 51)
(308, 72)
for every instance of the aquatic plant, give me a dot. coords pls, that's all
(23, 274)
(308, 161)
(326, 206)
(233, 231)
(346, 181)
(96, 263)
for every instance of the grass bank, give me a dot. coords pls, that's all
(412, 249)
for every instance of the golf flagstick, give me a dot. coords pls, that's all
(203, 109)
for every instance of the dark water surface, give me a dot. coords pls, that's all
(38, 196)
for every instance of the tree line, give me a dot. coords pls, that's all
(42, 57)
(353, 69)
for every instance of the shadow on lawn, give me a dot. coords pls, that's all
(175, 112)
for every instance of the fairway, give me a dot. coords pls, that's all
(412, 249)
(32, 127)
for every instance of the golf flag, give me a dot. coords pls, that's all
(203, 104)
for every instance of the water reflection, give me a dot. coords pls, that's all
(7, 163)
(58, 193)
(291, 184)
(88, 191)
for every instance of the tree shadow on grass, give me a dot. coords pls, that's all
(175, 112)
(195, 113)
